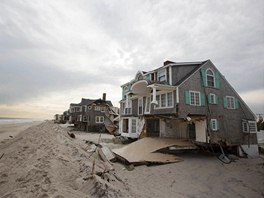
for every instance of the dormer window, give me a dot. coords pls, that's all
(210, 78)
(162, 75)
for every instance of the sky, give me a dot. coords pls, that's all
(55, 52)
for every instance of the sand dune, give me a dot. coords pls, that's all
(43, 161)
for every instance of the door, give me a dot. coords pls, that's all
(153, 127)
(191, 131)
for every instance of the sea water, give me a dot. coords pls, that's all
(14, 120)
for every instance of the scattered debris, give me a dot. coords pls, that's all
(71, 134)
(1, 156)
(144, 151)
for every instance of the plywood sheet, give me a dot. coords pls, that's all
(144, 149)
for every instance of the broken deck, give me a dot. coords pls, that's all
(145, 150)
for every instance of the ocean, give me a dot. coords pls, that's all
(14, 120)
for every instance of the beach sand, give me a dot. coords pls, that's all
(9, 131)
(43, 161)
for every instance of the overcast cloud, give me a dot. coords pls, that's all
(50, 49)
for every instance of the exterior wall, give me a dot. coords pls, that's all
(173, 128)
(230, 120)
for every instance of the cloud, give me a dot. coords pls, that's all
(49, 47)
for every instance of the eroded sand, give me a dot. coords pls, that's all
(43, 161)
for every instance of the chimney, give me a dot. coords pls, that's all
(104, 96)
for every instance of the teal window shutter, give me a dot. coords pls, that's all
(217, 80)
(236, 103)
(202, 99)
(209, 98)
(187, 97)
(216, 99)
(203, 76)
(224, 101)
(211, 124)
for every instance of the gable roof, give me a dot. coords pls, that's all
(85, 101)
(185, 77)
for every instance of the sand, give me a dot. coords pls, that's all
(43, 161)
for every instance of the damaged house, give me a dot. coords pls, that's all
(92, 114)
(187, 100)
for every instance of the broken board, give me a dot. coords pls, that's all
(144, 150)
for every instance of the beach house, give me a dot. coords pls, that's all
(93, 114)
(187, 100)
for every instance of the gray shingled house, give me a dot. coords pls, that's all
(74, 113)
(92, 114)
(187, 100)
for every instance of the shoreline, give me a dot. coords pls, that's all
(10, 130)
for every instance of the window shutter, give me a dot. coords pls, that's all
(187, 97)
(203, 76)
(216, 99)
(209, 98)
(202, 99)
(236, 103)
(217, 80)
(224, 101)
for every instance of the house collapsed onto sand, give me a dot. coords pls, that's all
(93, 115)
(187, 100)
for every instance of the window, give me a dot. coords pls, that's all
(85, 118)
(230, 102)
(169, 99)
(99, 119)
(140, 106)
(162, 75)
(84, 108)
(102, 109)
(214, 124)
(164, 100)
(97, 108)
(210, 79)
(245, 127)
(195, 98)
(147, 106)
(127, 111)
(133, 126)
(212, 98)
(89, 107)
(249, 126)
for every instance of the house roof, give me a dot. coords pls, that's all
(183, 78)
(90, 101)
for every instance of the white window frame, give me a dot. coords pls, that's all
(158, 98)
(140, 104)
(229, 101)
(214, 98)
(97, 108)
(211, 75)
(162, 74)
(89, 107)
(195, 102)
(133, 126)
(214, 124)
(147, 105)
(99, 119)
(248, 127)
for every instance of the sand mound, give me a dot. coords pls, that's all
(43, 161)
